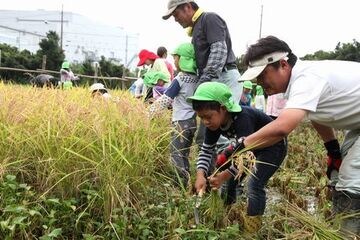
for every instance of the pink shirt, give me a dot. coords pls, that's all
(275, 104)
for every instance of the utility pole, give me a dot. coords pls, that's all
(261, 17)
(62, 27)
(96, 65)
(19, 40)
(126, 49)
(43, 66)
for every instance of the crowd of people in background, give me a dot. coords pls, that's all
(67, 81)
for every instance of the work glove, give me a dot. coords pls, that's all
(334, 157)
(222, 157)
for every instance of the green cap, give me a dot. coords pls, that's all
(151, 78)
(187, 61)
(218, 92)
(248, 84)
(65, 65)
(259, 90)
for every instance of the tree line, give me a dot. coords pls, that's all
(50, 46)
(342, 51)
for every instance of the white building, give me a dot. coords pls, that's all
(81, 37)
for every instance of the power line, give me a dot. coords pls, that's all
(22, 31)
(25, 15)
(40, 20)
(102, 35)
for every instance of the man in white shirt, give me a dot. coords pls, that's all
(325, 92)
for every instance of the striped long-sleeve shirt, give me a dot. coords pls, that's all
(213, 46)
(215, 63)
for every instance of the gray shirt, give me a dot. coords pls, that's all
(182, 87)
(208, 29)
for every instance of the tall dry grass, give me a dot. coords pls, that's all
(59, 141)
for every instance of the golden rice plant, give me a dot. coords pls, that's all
(60, 141)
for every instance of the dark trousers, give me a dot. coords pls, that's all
(347, 203)
(181, 141)
(268, 161)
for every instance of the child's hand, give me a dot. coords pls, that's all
(200, 183)
(217, 180)
(244, 99)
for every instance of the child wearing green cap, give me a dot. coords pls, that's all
(156, 80)
(213, 103)
(183, 117)
(156, 64)
(260, 98)
(246, 95)
(67, 77)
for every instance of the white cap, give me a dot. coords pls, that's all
(257, 66)
(97, 86)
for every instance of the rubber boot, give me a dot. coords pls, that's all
(252, 224)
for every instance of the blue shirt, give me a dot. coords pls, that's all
(248, 100)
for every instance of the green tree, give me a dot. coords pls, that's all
(13, 58)
(86, 68)
(348, 51)
(343, 51)
(320, 55)
(51, 48)
(109, 69)
(240, 64)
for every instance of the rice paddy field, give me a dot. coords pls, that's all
(74, 167)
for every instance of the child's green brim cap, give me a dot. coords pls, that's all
(218, 92)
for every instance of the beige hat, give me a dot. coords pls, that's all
(97, 87)
(257, 66)
(172, 5)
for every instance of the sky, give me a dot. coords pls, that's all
(306, 25)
